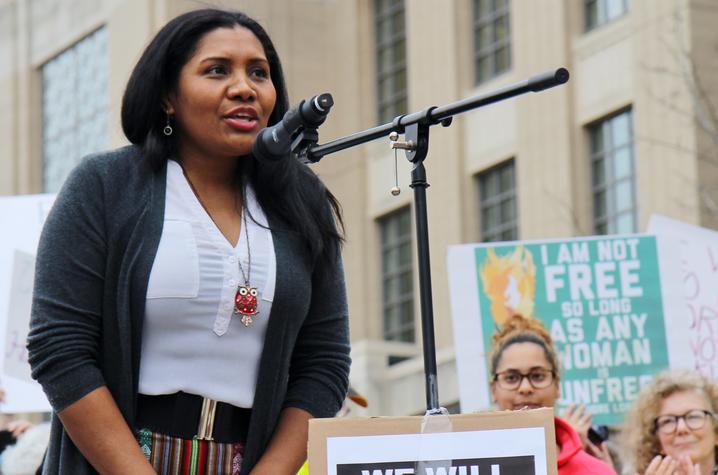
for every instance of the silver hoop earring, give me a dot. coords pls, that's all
(168, 128)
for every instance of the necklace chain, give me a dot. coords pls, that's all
(249, 254)
(246, 276)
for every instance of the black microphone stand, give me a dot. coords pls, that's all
(415, 128)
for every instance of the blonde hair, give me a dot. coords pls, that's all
(509, 283)
(639, 436)
(520, 329)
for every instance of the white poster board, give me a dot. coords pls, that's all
(505, 451)
(505, 442)
(696, 249)
(18, 316)
(22, 218)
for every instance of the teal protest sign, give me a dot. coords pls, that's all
(601, 301)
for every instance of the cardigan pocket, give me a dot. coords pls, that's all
(175, 272)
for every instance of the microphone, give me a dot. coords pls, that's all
(275, 142)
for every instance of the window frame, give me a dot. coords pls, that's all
(496, 201)
(607, 223)
(71, 131)
(602, 14)
(398, 301)
(480, 51)
(396, 102)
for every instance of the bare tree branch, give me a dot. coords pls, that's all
(569, 211)
(707, 158)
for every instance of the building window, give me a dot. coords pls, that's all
(497, 193)
(600, 12)
(390, 58)
(397, 276)
(613, 175)
(74, 107)
(492, 38)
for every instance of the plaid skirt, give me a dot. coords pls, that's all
(175, 456)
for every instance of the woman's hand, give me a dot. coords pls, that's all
(98, 429)
(687, 467)
(601, 452)
(661, 466)
(671, 466)
(580, 419)
(287, 450)
(18, 427)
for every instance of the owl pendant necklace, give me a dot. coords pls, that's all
(245, 300)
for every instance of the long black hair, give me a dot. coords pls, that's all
(286, 189)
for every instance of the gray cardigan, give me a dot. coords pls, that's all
(93, 263)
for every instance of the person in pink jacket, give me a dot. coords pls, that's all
(525, 374)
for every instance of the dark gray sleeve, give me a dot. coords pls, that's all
(319, 371)
(65, 324)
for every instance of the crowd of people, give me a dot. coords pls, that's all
(189, 311)
(670, 430)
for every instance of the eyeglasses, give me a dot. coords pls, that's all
(511, 380)
(694, 420)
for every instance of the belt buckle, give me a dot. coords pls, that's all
(205, 428)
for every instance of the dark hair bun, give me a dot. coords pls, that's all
(518, 324)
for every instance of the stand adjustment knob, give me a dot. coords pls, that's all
(395, 144)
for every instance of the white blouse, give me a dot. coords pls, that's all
(191, 339)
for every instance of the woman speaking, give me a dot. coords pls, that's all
(189, 312)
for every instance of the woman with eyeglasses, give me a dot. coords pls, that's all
(525, 372)
(671, 429)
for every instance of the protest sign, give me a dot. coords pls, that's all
(600, 298)
(505, 443)
(697, 250)
(22, 218)
(18, 316)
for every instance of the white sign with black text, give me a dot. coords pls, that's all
(489, 452)
(486, 443)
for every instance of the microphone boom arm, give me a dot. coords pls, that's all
(442, 114)
(416, 129)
